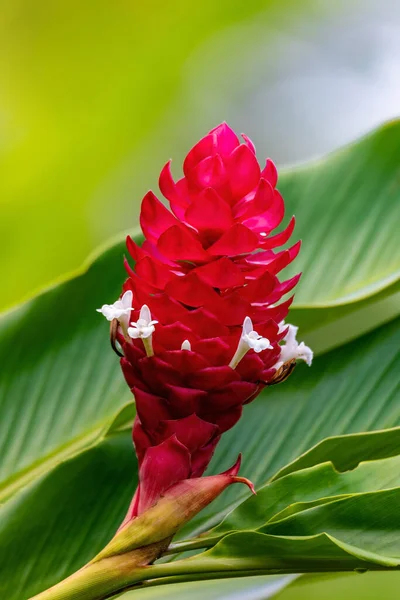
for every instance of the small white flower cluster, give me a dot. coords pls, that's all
(121, 309)
(143, 328)
(249, 339)
(252, 339)
(292, 350)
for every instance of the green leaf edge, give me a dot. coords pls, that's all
(382, 443)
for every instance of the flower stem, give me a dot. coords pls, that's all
(126, 558)
(99, 579)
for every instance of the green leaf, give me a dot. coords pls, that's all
(351, 284)
(314, 403)
(329, 401)
(251, 553)
(299, 491)
(330, 327)
(347, 451)
(347, 586)
(347, 210)
(259, 587)
(319, 482)
(368, 521)
(61, 383)
(60, 521)
(351, 389)
(64, 384)
(255, 551)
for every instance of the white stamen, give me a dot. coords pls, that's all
(263, 234)
(252, 339)
(292, 349)
(121, 310)
(249, 339)
(143, 328)
(186, 345)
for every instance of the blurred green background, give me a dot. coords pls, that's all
(95, 96)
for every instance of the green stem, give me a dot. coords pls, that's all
(100, 579)
(195, 544)
(115, 574)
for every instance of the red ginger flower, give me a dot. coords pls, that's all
(206, 330)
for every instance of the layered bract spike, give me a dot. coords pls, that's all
(208, 274)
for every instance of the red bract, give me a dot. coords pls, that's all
(206, 327)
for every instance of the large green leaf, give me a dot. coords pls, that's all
(347, 390)
(369, 586)
(347, 451)
(354, 532)
(72, 403)
(259, 587)
(62, 390)
(251, 553)
(60, 383)
(368, 521)
(347, 207)
(103, 482)
(326, 399)
(330, 327)
(351, 284)
(307, 486)
(57, 523)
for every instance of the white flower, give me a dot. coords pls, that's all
(120, 310)
(249, 339)
(186, 345)
(144, 326)
(292, 349)
(252, 339)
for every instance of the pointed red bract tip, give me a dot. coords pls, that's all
(247, 482)
(248, 142)
(234, 470)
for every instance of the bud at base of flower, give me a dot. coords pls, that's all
(176, 507)
(102, 579)
(143, 539)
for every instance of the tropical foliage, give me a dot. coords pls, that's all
(323, 449)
